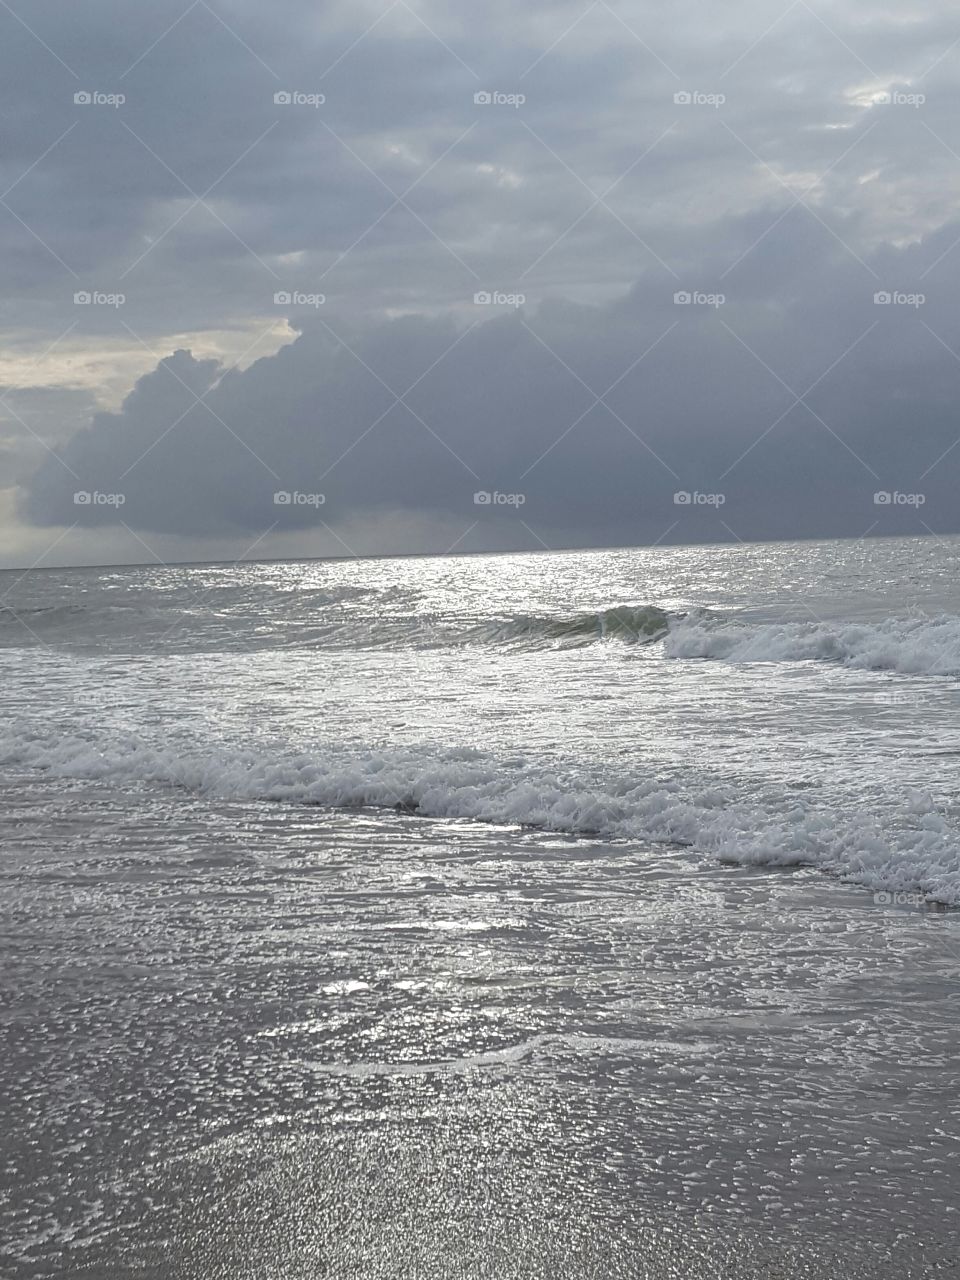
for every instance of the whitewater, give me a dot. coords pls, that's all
(717, 699)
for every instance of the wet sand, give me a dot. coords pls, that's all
(249, 1040)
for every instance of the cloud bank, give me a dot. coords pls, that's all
(721, 249)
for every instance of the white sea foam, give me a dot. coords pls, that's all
(927, 646)
(901, 843)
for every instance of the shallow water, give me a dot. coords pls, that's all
(306, 1043)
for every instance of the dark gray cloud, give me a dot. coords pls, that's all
(798, 197)
(696, 398)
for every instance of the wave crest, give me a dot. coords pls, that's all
(912, 646)
(628, 624)
(905, 845)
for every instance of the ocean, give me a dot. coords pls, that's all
(581, 914)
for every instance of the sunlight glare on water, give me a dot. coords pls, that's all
(502, 916)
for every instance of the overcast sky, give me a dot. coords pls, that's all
(242, 247)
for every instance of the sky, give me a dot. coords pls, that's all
(361, 278)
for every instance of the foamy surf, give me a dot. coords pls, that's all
(902, 843)
(911, 646)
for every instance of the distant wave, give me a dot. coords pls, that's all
(629, 624)
(920, 646)
(362, 619)
(320, 620)
(902, 843)
(49, 612)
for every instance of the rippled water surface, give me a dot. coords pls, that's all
(583, 915)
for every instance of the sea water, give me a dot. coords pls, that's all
(580, 914)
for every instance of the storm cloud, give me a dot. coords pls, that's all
(635, 274)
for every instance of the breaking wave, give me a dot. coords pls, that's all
(363, 619)
(341, 620)
(629, 624)
(898, 843)
(918, 646)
